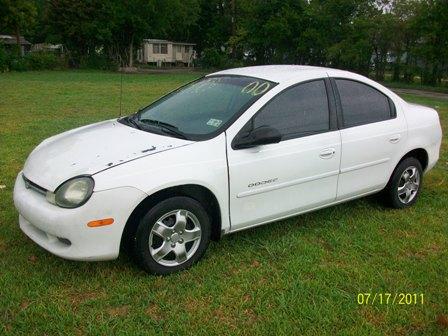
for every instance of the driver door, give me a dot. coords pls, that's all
(297, 174)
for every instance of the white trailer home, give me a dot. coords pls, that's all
(162, 52)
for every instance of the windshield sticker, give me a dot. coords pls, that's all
(214, 122)
(255, 88)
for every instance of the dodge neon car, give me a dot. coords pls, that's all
(232, 150)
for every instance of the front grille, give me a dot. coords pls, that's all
(33, 186)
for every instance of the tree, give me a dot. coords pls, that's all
(382, 37)
(17, 16)
(214, 24)
(403, 38)
(343, 30)
(180, 19)
(431, 25)
(361, 35)
(131, 21)
(270, 31)
(82, 26)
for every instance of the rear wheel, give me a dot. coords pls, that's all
(405, 184)
(172, 236)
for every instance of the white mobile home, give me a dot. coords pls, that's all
(166, 52)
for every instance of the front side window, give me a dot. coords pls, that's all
(205, 106)
(163, 48)
(362, 104)
(156, 48)
(298, 111)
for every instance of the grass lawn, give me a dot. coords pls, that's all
(415, 86)
(297, 276)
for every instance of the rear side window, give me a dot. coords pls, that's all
(297, 111)
(362, 104)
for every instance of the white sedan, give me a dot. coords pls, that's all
(230, 151)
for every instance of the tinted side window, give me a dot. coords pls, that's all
(298, 111)
(362, 104)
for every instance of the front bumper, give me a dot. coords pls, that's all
(64, 232)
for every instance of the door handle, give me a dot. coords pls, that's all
(327, 153)
(395, 138)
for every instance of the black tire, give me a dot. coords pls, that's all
(391, 190)
(142, 251)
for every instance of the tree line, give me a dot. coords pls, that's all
(406, 37)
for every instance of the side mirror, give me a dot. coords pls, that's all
(263, 135)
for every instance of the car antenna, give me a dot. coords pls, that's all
(121, 84)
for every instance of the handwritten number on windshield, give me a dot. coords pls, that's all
(255, 88)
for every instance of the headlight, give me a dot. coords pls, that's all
(74, 192)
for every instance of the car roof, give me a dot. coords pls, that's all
(279, 73)
(295, 73)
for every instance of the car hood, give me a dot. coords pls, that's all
(90, 149)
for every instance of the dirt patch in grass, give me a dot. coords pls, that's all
(416, 326)
(251, 316)
(255, 264)
(198, 304)
(221, 316)
(24, 304)
(32, 259)
(120, 311)
(442, 321)
(406, 234)
(374, 317)
(234, 271)
(3, 246)
(154, 312)
(77, 298)
(430, 250)
(325, 245)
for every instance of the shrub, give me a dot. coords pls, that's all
(38, 60)
(41, 60)
(214, 58)
(17, 64)
(97, 61)
(4, 59)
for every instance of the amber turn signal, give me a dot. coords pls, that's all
(101, 222)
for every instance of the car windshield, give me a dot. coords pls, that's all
(203, 107)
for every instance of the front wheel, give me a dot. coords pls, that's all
(405, 184)
(172, 236)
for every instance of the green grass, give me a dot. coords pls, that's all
(297, 276)
(415, 86)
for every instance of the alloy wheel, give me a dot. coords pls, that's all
(408, 185)
(175, 237)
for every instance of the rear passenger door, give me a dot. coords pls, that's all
(373, 132)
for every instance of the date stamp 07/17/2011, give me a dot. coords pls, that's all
(390, 298)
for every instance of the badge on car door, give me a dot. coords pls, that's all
(259, 183)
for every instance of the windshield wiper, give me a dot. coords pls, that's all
(133, 122)
(167, 128)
